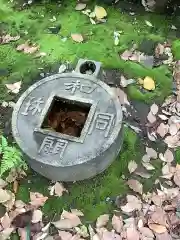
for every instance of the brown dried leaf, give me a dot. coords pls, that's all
(76, 37)
(80, 6)
(8, 38)
(15, 186)
(157, 228)
(10, 203)
(151, 118)
(163, 236)
(163, 117)
(110, 236)
(133, 203)
(158, 217)
(132, 233)
(132, 166)
(14, 87)
(59, 189)
(2, 183)
(19, 204)
(37, 199)
(6, 233)
(65, 235)
(117, 223)
(27, 48)
(135, 185)
(82, 231)
(102, 220)
(22, 233)
(37, 216)
(152, 136)
(77, 212)
(4, 196)
(172, 141)
(146, 158)
(67, 223)
(151, 153)
(117, 92)
(146, 232)
(177, 175)
(6, 221)
(173, 129)
(148, 166)
(162, 130)
(168, 155)
(154, 109)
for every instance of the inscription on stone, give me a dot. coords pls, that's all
(76, 85)
(33, 105)
(52, 146)
(102, 121)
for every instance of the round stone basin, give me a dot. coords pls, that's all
(69, 126)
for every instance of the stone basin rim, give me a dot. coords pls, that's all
(110, 141)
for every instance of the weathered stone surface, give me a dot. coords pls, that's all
(65, 157)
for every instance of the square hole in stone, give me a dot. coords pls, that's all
(66, 116)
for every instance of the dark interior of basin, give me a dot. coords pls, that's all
(66, 116)
(88, 68)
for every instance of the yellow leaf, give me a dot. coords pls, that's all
(100, 12)
(149, 83)
(141, 81)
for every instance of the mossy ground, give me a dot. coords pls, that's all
(90, 196)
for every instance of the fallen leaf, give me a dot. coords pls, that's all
(102, 220)
(70, 215)
(92, 21)
(62, 68)
(77, 37)
(10, 203)
(80, 6)
(159, 50)
(122, 96)
(132, 233)
(37, 199)
(163, 117)
(146, 158)
(151, 118)
(8, 38)
(6, 221)
(2, 183)
(157, 228)
(37, 216)
(14, 87)
(168, 155)
(154, 109)
(59, 189)
(177, 175)
(135, 185)
(19, 204)
(149, 24)
(159, 217)
(133, 203)
(6, 233)
(163, 236)
(173, 129)
(65, 235)
(172, 141)
(146, 232)
(132, 166)
(15, 186)
(82, 231)
(125, 82)
(151, 153)
(27, 48)
(148, 166)
(77, 212)
(22, 232)
(91, 232)
(152, 136)
(117, 223)
(4, 196)
(149, 83)
(100, 12)
(66, 223)
(162, 130)
(110, 236)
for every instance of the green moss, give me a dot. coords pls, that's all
(176, 49)
(31, 24)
